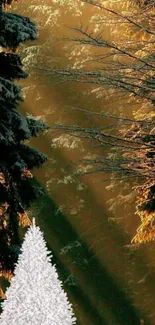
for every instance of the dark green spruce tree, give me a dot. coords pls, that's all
(16, 157)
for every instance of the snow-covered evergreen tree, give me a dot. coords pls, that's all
(36, 296)
(17, 158)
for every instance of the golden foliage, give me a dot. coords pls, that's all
(2, 295)
(3, 215)
(27, 174)
(2, 178)
(24, 220)
(6, 274)
(146, 231)
(3, 208)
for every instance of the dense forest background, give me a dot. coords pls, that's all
(91, 225)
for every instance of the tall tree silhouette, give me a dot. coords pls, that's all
(17, 158)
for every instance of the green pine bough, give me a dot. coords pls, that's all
(17, 158)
